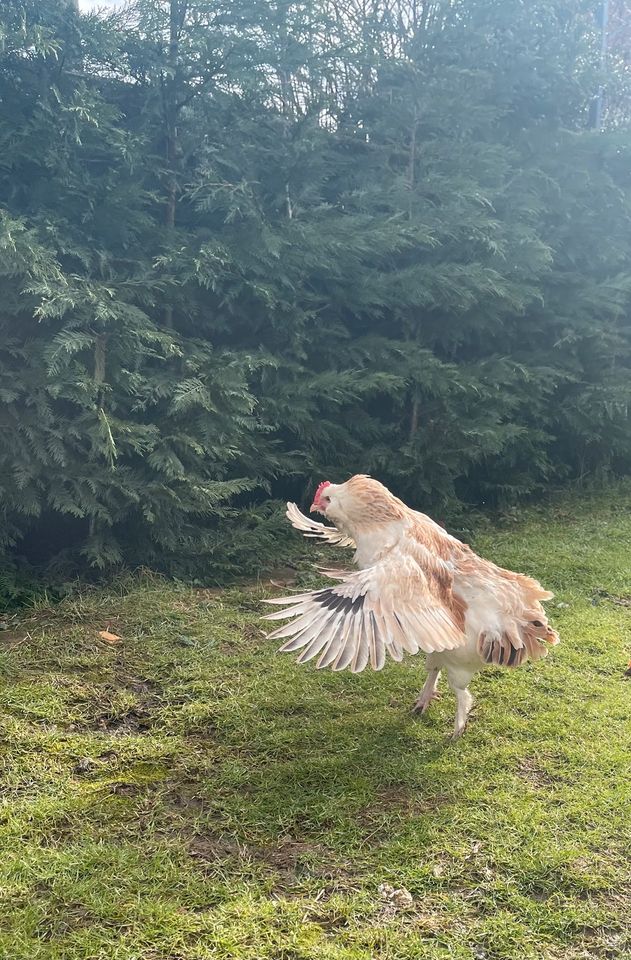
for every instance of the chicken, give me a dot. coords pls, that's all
(417, 589)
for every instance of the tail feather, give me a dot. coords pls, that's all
(518, 642)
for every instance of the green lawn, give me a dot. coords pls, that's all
(188, 794)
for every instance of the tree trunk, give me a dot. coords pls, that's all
(177, 15)
(414, 414)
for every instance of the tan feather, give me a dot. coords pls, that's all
(316, 530)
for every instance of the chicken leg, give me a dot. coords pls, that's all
(459, 683)
(429, 693)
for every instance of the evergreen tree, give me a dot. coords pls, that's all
(119, 423)
(249, 244)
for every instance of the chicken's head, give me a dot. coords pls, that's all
(359, 502)
(321, 498)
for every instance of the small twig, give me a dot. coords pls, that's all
(23, 640)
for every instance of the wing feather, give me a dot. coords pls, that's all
(377, 653)
(334, 646)
(362, 648)
(316, 530)
(395, 651)
(314, 648)
(295, 598)
(314, 628)
(349, 649)
(394, 607)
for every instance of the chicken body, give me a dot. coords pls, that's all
(417, 589)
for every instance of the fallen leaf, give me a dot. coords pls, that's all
(112, 638)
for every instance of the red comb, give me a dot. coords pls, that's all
(322, 486)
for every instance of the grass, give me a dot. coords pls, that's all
(187, 794)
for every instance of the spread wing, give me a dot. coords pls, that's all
(401, 603)
(319, 531)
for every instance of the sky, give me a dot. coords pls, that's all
(91, 4)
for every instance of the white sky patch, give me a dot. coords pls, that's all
(86, 5)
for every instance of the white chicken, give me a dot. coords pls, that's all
(417, 589)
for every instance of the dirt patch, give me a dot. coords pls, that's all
(605, 944)
(139, 718)
(400, 802)
(123, 789)
(9, 639)
(331, 923)
(143, 687)
(135, 720)
(289, 859)
(530, 771)
(228, 649)
(186, 799)
(61, 833)
(248, 634)
(620, 600)
(283, 576)
(251, 633)
(64, 919)
(213, 849)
